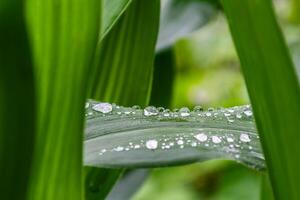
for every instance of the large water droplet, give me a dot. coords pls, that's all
(180, 142)
(201, 137)
(152, 144)
(248, 113)
(119, 148)
(103, 107)
(184, 112)
(244, 137)
(216, 139)
(150, 111)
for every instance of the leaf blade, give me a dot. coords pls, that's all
(273, 89)
(121, 138)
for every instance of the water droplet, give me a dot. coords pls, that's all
(160, 109)
(184, 112)
(150, 111)
(137, 146)
(208, 114)
(119, 148)
(239, 116)
(152, 144)
(194, 144)
(227, 114)
(244, 137)
(166, 113)
(136, 107)
(229, 139)
(198, 108)
(216, 139)
(87, 104)
(180, 142)
(210, 109)
(103, 107)
(230, 120)
(231, 110)
(201, 137)
(248, 113)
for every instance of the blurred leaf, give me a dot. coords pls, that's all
(128, 137)
(16, 102)
(112, 11)
(126, 57)
(273, 89)
(179, 18)
(64, 36)
(128, 185)
(124, 72)
(266, 192)
(163, 79)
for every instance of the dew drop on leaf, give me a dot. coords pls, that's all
(150, 111)
(152, 144)
(201, 137)
(244, 137)
(103, 107)
(184, 112)
(216, 139)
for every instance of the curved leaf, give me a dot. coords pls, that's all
(179, 18)
(112, 10)
(119, 136)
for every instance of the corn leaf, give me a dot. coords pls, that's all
(64, 35)
(119, 136)
(17, 112)
(181, 17)
(124, 66)
(273, 89)
(112, 11)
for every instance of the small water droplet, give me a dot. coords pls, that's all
(201, 137)
(210, 109)
(152, 144)
(119, 148)
(198, 108)
(87, 104)
(208, 114)
(103, 107)
(239, 116)
(227, 114)
(150, 111)
(184, 112)
(230, 120)
(180, 142)
(160, 109)
(193, 144)
(136, 107)
(231, 110)
(244, 137)
(248, 113)
(229, 139)
(166, 113)
(137, 146)
(216, 139)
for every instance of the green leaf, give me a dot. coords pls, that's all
(124, 64)
(126, 56)
(64, 35)
(179, 18)
(273, 89)
(17, 113)
(130, 183)
(163, 79)
(119, 136)
(112, 11)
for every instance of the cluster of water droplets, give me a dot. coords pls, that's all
(94, 109)
(238, 144)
